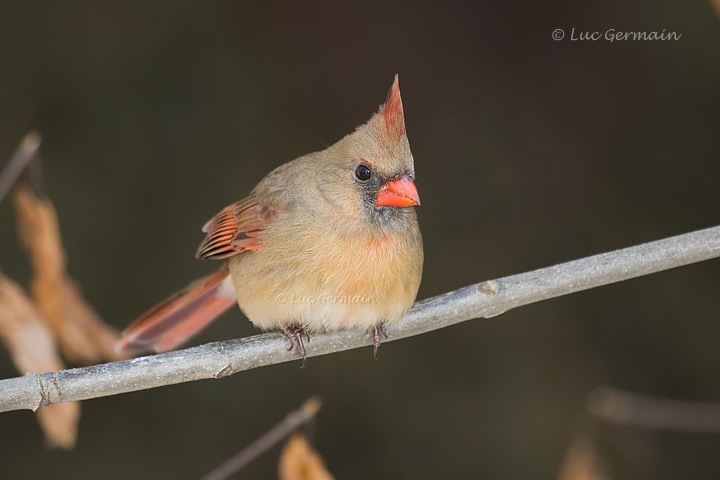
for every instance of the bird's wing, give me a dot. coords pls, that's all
(232, 231)
(235, 229)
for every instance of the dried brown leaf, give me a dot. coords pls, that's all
(582, 462)
(299, 461)
(23, 331)
(716, 4)
(82, 335)
(32, 347)
(60, 424)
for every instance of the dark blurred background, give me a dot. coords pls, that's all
(529, 152)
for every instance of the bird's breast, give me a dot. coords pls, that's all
(329, 282)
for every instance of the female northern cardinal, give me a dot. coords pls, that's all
(328, 241)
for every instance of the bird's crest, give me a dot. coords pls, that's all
(392, 112)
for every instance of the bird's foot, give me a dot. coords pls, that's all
(378, 332)
(295, 333)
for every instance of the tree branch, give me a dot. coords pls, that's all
(289, 424)
(626, 408)
(22, 157)
(486, 299)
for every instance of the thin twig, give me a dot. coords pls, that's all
(18, 162)
(289, 424)
(617, 406)
(486, 299)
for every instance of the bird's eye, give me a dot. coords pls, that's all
(363, 173)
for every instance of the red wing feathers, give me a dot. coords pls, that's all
(235, 229)
(232, 231)
(178, 318)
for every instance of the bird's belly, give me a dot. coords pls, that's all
(329, 292)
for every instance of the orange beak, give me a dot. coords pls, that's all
(398, 193)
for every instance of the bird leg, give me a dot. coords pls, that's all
(378, 331)
(295, 333)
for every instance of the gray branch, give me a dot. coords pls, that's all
(626, 408)
(483, 300)
(25, 153)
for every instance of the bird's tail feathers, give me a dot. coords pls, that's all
(180, 317)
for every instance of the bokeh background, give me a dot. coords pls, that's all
(529, 152)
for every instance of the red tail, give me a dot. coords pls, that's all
(178, 318)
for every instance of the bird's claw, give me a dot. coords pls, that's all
(377, 333)
(295, 334)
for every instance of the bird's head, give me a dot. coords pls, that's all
(374, 168)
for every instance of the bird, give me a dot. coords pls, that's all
(326, 242)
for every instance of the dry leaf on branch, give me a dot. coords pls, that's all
(299, 461)
(716, 4)
(82, 335)
(60, 424)
(582, 462)
(31, 345)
